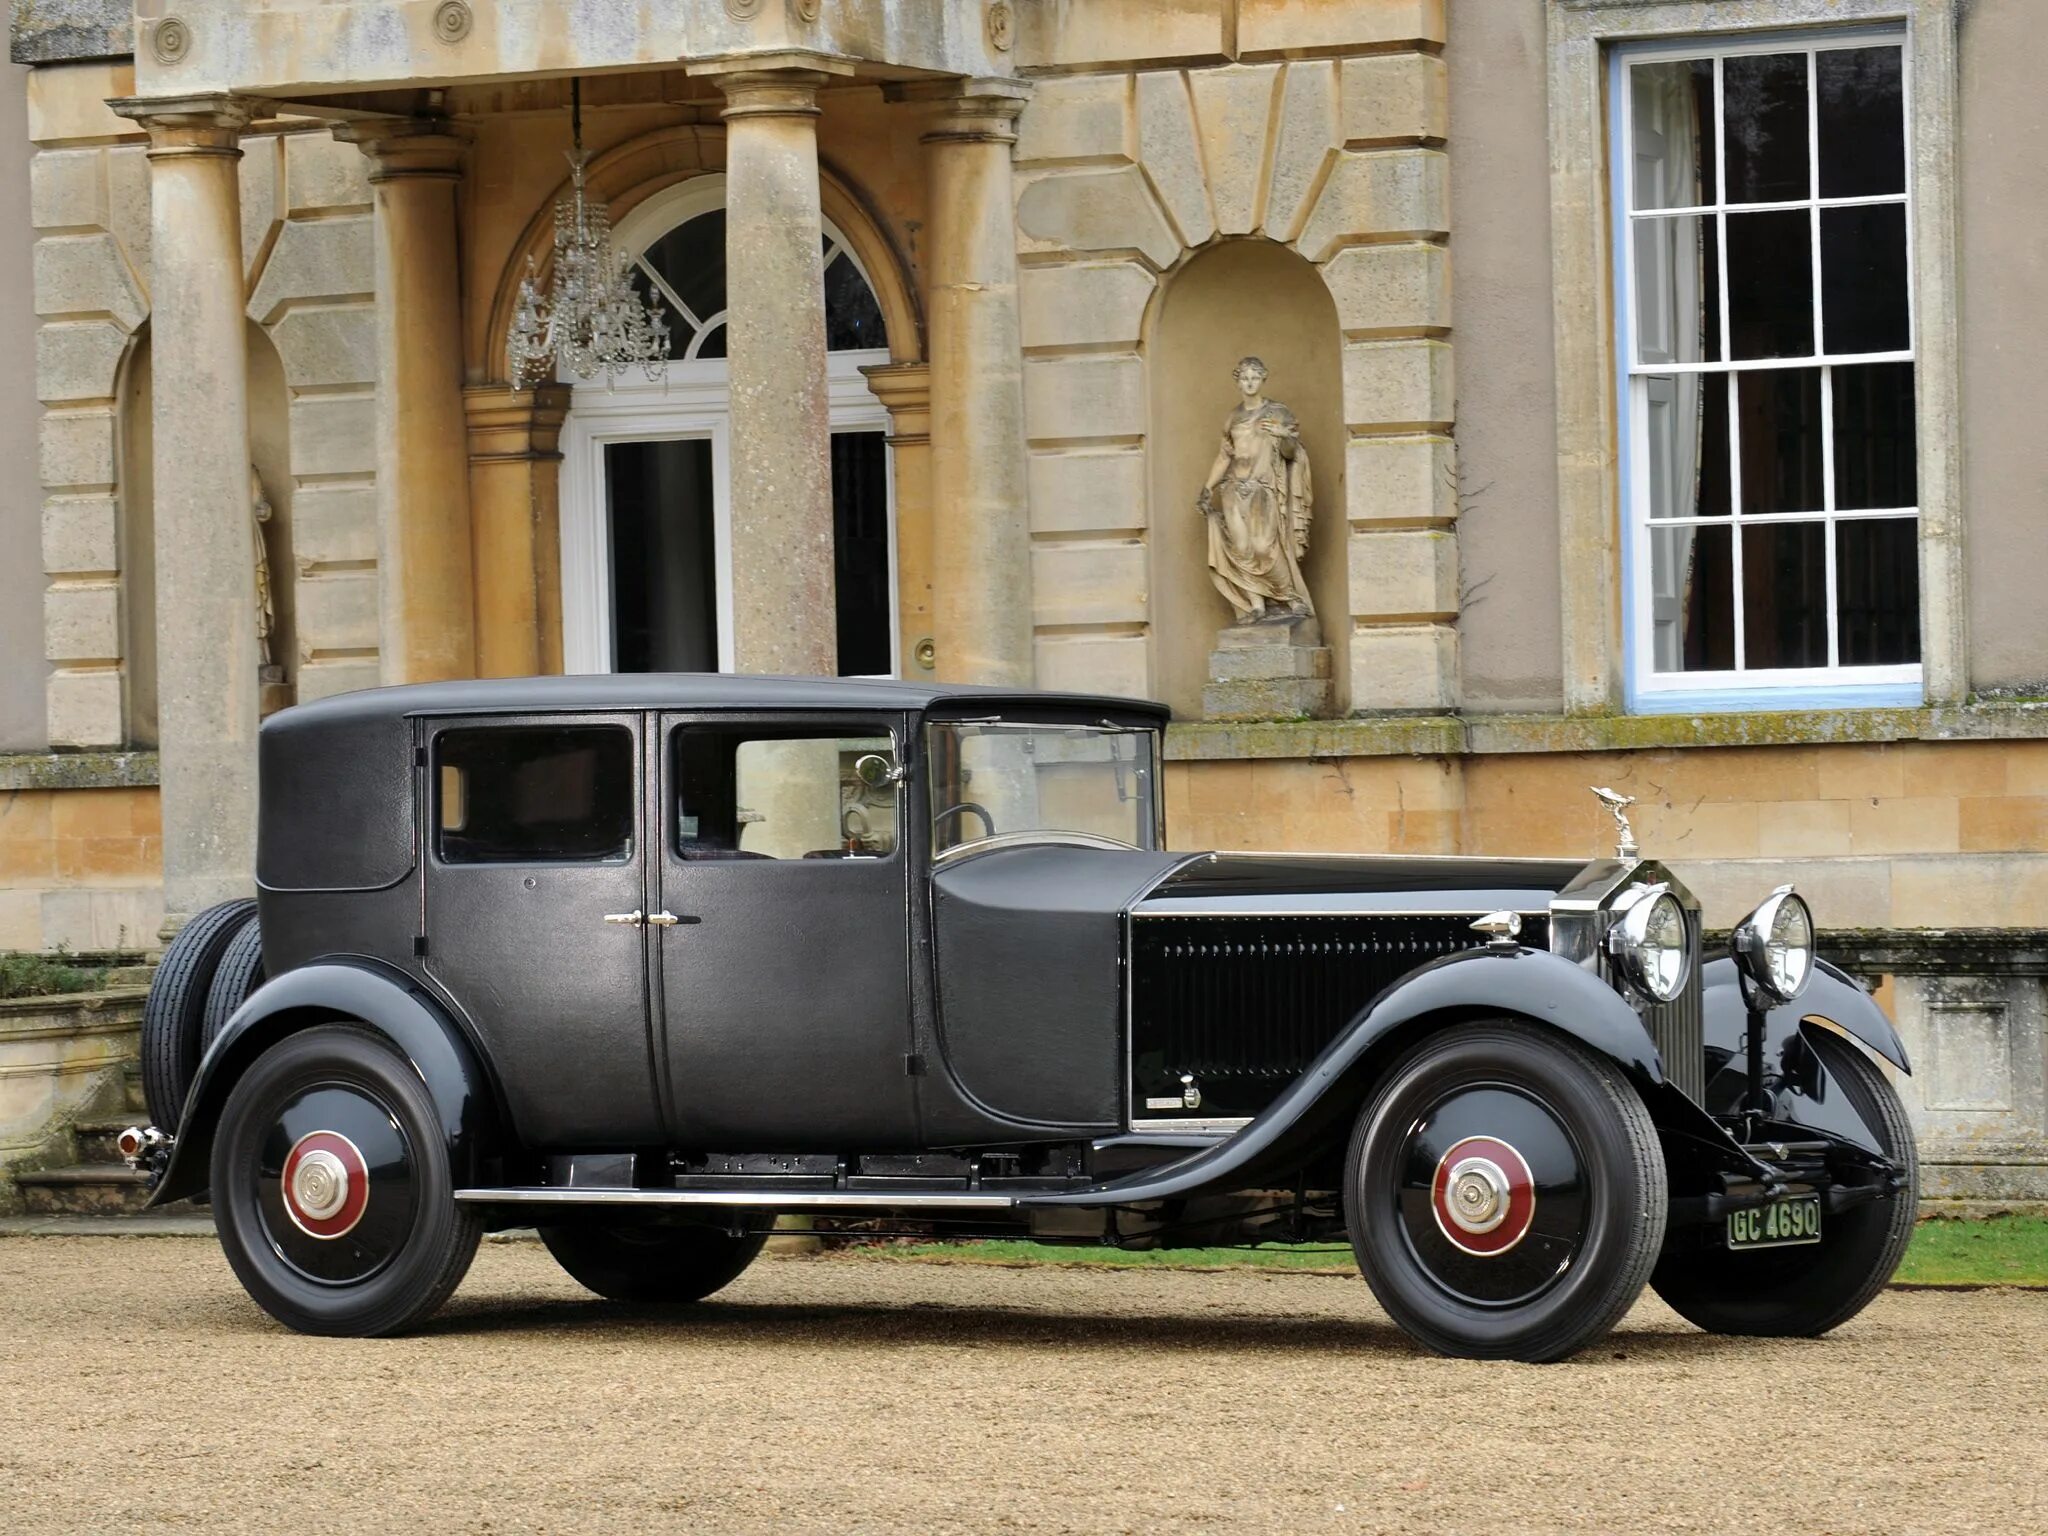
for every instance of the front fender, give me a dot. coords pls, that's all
(1481, 983)
(326, 993)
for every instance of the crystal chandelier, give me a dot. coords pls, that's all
(591, 320)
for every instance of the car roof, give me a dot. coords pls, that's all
(684, 691)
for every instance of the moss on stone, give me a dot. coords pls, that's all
(77, 770)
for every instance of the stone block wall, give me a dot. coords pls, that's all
(1124, 175)
(306, 243)
(80, 868)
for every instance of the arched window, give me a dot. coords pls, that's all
(647, 574)
(684, 270)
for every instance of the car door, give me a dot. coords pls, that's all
(535, 893)
(784, 975)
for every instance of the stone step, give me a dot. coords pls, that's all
(90, 1189)
(131, 1083)
(95, 1139)
(1279, 661)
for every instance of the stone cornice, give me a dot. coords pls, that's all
(77, 770)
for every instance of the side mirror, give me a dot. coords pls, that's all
(876, 771)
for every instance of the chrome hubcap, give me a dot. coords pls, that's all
(320, 1183)
(1478, 1195)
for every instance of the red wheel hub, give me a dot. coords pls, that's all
(326, 1184)
(1484, 1196)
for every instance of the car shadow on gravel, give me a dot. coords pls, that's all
(918, 1324)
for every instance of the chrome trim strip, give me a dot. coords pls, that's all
(1219, 1126)
(1212, 906)
(779, 1199)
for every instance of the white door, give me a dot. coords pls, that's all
(646, 545)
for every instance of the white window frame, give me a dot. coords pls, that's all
(1648, 690)
(692, 400)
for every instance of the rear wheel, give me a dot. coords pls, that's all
(1800, 1292)
(174, 1015)
(653, 1263)
(1505, 1193)
(332, 1190)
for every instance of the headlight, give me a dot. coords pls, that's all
(1649, 943)
(1773, 946)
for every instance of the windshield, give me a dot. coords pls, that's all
(1005, 778)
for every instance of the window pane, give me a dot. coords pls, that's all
(1678, 290)
(1863, 278)
(1877, 580)
(1770, 284)
(1781, 439)
(1764, 102)
(1015, 778)
(664, 594)
(1876, 456)
(1687, 460)
(517, 794)
(1692, 616)
(713, 344)
(1784, 595)
(1674, 133)
(853, 320)
(761, 794)
(860, 515)
(1862, 121)
(691, 260)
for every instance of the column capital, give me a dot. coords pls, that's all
(508, 424)
(905, 390)
(210, 123)
(783, 84)
(429, 147)
(967, 108)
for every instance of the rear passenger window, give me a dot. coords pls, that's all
(534, 794)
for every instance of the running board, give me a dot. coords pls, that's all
(773, 1200)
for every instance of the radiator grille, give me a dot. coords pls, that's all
(1244, 1004)
(1679, 1026)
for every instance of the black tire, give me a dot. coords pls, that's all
(239, 974)
(1802, 1292)
(378, 1267)
(1550, 1144)
(175, 1012)
(667, 1263)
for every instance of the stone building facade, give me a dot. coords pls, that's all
(969, 277)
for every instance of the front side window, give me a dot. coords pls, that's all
(1767, 320)
(759, 793)
(519, 794)
(1002, 778)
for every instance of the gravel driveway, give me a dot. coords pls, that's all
(851, 1394)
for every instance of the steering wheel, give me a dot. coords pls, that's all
(988, 822)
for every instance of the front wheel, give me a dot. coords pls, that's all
(1505, 1193)
(332, 1190)
(683, 1262)
(1802, 1292)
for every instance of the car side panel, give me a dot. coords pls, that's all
(341, 991)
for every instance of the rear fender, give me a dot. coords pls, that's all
(344, 991)
(1314, 1111)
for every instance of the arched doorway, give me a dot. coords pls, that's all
(646, 548)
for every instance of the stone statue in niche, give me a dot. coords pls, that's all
(1271, 663)
(274, 692)
(1259, 500)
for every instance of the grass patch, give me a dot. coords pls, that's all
(1999, 1250)
(31, 975)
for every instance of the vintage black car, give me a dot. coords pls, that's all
(650, 961)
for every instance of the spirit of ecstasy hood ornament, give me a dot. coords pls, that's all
(1618, 803)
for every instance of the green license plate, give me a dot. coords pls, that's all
(1780, 1224)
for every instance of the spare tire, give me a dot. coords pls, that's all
(239, 974)
(175, 1012)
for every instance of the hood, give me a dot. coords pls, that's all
(1336, 884)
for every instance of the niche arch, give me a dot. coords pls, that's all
(1227, 300)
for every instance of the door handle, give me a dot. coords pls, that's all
(632, 919)
(669, 919)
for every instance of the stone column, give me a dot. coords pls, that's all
(905, 390)
(515, 504)
(205, 545)
(785, 619)
(981, 534)
(427, 607)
